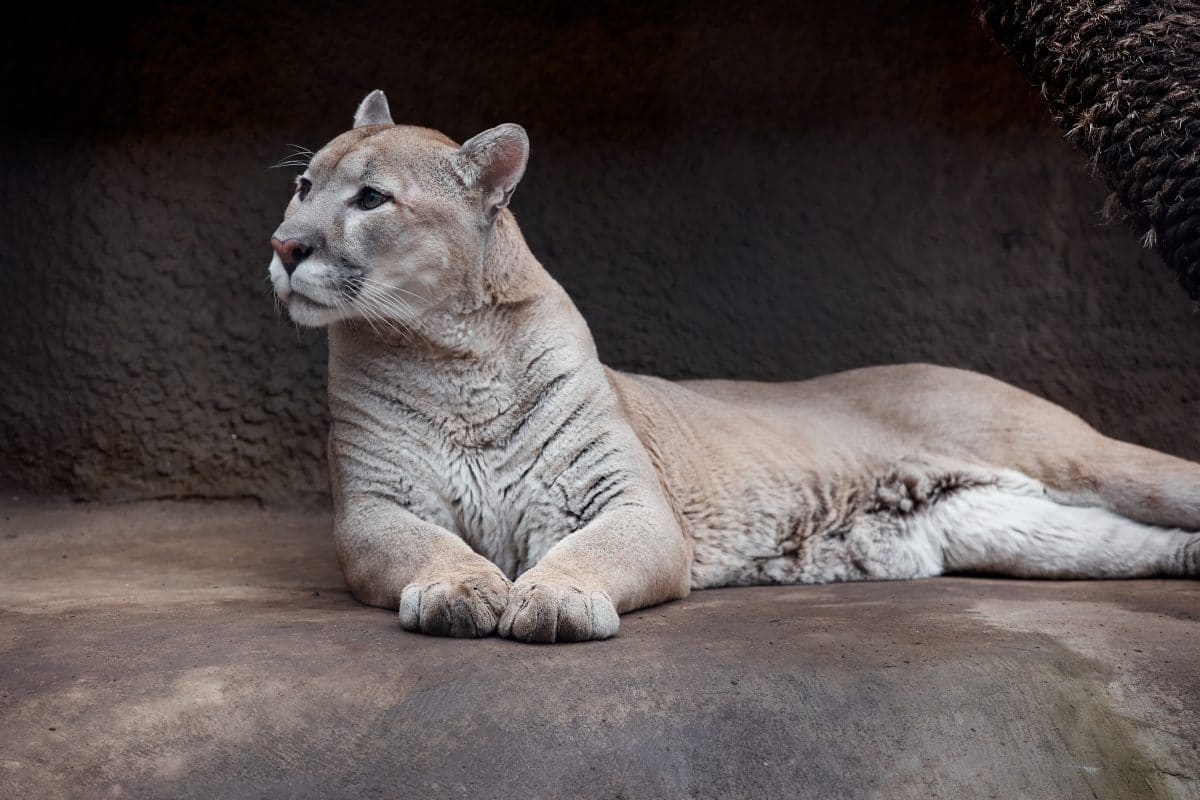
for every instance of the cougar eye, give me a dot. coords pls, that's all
(371, 198)
(302, 187)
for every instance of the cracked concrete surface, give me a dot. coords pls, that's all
(210, 650)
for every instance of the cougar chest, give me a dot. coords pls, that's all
(500, 504)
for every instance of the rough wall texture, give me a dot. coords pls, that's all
(760, 192)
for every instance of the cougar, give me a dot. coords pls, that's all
(490, 475)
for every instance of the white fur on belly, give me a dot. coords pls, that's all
(1001, 522)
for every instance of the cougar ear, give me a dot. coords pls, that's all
(373, 110)
(493, 162)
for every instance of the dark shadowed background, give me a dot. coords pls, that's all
(760, 191)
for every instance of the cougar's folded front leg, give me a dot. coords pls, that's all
(626, 558)
(391, 558)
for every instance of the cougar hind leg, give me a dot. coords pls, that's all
(1003, 523)
(988, 422)
(1132, 481)
(996, 529)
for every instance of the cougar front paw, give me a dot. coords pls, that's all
(557, 611)
(453, 603)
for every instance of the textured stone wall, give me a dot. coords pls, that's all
(759, 191)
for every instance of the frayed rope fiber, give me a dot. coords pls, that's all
(1124, 80)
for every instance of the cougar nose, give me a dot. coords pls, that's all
(291, 252)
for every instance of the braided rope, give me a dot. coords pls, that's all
(1123, 78)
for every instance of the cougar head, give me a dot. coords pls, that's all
(389, 222)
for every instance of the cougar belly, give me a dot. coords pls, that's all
(763, 533)
(873, 524)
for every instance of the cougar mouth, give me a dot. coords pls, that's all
(306, 300)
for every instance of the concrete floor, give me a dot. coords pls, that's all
(200, 650)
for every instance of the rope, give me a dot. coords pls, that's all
(1124, 79)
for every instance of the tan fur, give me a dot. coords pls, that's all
(489, 474)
